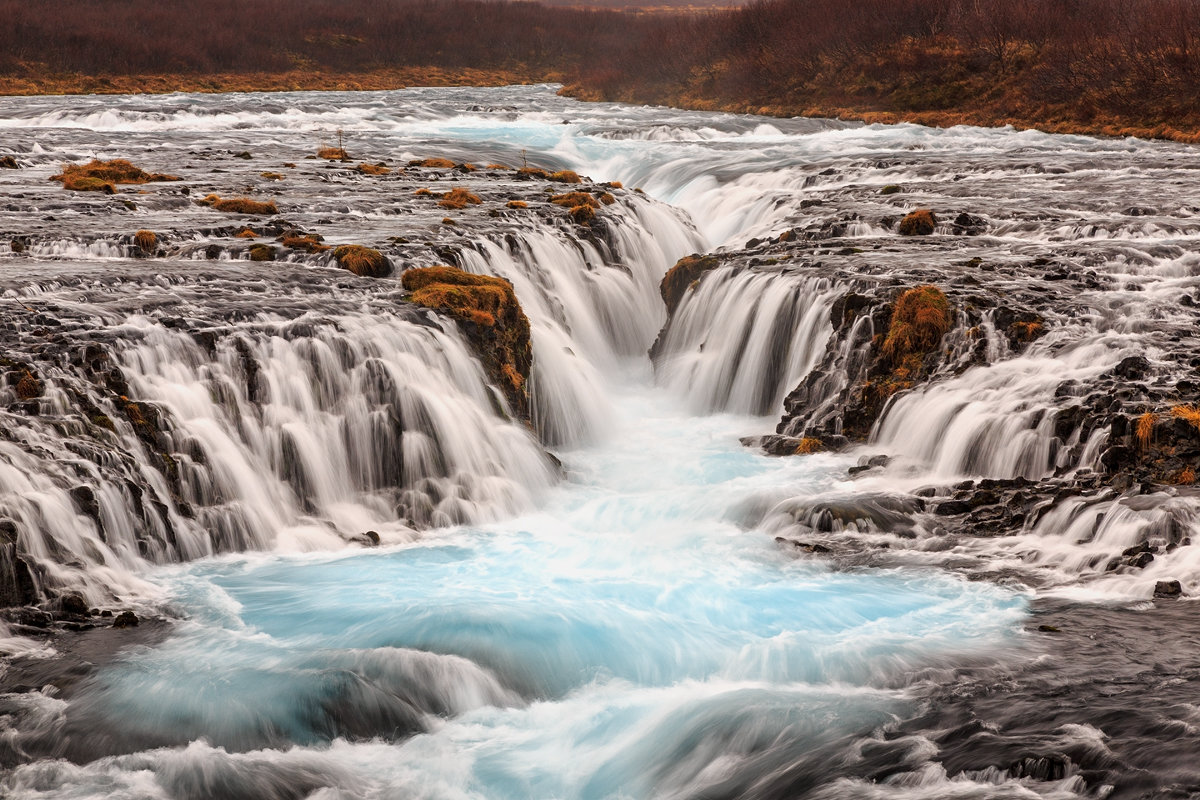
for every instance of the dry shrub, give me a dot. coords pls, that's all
(459, 198)
(920, 318)
(362, 261)
(572, 199)
(1144, 430)
(809, 445)
(147, 241)
(308, 243)
(241, 205)
(434, 163)
(372, 169)
(1186, 476)
(918, 223)
(100, 176)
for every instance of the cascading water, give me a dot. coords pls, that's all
(615, 619)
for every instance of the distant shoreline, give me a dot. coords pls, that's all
(408, 77)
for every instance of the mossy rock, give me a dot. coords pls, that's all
(681, 277)
(262, 252)
(918, 223)
(490, 317)
(362, 261)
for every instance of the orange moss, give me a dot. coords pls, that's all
(147, 241)
(448, 221)
(615, 185)
(565, 176)
(1026, 331)
(241, 205)
(372, 169)
(920, 318)
(309, 242)
(572, 199)
(682, 277)
(246, 233)
(607, 199)
(1144, 430)
(362, 261)
(333, 154)
(491, 318)
(423, 193)
(533, 172)
(918, 223)
(809, 445)
(99, 176)
(434, 163)
(498, 166)
(583, 215)
(29, 387)
(517, 204)
(459, 198)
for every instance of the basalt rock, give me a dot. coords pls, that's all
(681, 277)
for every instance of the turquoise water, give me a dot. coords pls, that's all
(631, 640)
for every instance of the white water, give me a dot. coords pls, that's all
(618, 634)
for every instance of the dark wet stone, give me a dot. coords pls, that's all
(126, 619)
(1168, 589)
(1132, 367)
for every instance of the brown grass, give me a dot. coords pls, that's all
(920, 318)
(918, 223)
(434, 163)
(246, 233)
(373, 169)
(607, 199)
(498, 166)
(809, 445)
(308, 243)
(517, 204)
(147, 241)
(458, 198)
(565, 176)
(583, 215)
(1186, 476)
(423, 193)
(29, 387)
(572, 199)
(100, 176)
(1144, 430)
(271, 176)
(362, 261)
(1026, 331)
(533, 172)
(240, 205)
(1189, 413)
(333, 154)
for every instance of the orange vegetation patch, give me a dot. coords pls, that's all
(99, 176)
(1188, 413)
(423, 193)
(1144, 430)
(271, 176)
(246, 233)
(29, 387)
(572, 199)
(459, 198)
(491, 318)
(147, 241)
(434, 163)
(498, 166)
(239, 205)
(607, 199)
(918, 223)
(1186, 476)
(1026, 331)
(920, 318)
(308, 242)
(683, 276)
(533, 172)
(809, 445)
(373, 169)
(362, 261)
(565, 176)
(333, 154)
(583, 215)
(262, 252)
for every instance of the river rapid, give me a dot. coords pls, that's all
(619, 599)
